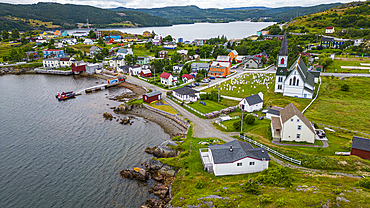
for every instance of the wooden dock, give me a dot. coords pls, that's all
(96, 88)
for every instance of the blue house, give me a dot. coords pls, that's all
(64, 33)
(53, 53)
(181, 40)
(115, 37)
(331, 42)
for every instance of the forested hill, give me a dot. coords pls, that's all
(191, 14)
(67, 15)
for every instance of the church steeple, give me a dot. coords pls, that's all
(283, 54)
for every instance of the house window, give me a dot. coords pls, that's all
(290, 81)
(239, 164)
(298, 136)
(291, 119)
(297, 120)
(280, 79)
(279, 87)
(299, 127)
(293, 80)
(251, 163)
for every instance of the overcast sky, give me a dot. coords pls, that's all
(202, 4)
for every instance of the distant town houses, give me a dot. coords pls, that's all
(163, 54)
(221, 67)
(251, 62)
(152, 96)
(117, 62)
(51, 63)
(199, 42)
(186, 94)
(292, 125)
(88, 42)
(167, 79)
(187, 78)
(184, 54)
(130, 39)
(157, 40)
(329, 30)
(53, 53)
(331, 43)
(169, 45)
(124, 51)
(177, 68)
(143, 60)
(69, 41)
(79, 34)
(233, 158)
(252, 103)
(197, 67)
(32, 55)
(233, 55)
(66, 62)
(135, 70)
(94, 50)
(147, 34)
(146, 73)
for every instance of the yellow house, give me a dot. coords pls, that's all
(43, 34)
(147, 34)
(129, 39)
(49, 35)
(57, 33)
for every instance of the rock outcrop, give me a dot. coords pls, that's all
(107, 116)
(162, 151)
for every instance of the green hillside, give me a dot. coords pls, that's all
(67, 15)
(350, 20)
(191, 14)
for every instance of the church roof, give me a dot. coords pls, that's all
(284, 47)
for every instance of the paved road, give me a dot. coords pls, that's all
(345, 75)
(202, 128)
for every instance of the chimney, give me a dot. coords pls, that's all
(231, 148)
(263, 150)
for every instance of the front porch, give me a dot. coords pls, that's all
(206, 161)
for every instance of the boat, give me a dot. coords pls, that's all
(65, 95)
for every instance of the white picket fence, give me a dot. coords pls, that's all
(220, 124)
(202, 114)
(271, 150)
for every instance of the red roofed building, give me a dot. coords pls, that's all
(78, 67)
(187, 78)
(329, 30)
(167, 79)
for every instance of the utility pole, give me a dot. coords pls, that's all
(218, 99)
(241, 126)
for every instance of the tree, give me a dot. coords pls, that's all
(130, 59)
(158, 65)
(24, 41)
(167, 38)
(153, 34)
(176, 57)
(92, 34)
(5, 35)
(236, 125)
(100, 41)
(205, 51)
(249, 119)
(105, 52)
(148, 45)
(344, 87)
(326, 62)
(15, 34)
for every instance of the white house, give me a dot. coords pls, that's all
(124, 51)
(186, 94)
(91, 68)
(51, 63)
(296, 81)
(94, 50)
(292, 125)
(167, 79)
(329, 30)
(69, 41)
(358, 42)
(117, 61)
(252, 103)
(66, 62)
(79, 34)
(233, 158)
(58, 45)
(187, 78)
(177, 68)
(88, 42)
(157, 40)
(135, 70)
(170, 45)
(252, 62)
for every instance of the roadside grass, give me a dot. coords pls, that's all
(192, 183)
(167, 108)
(337, 63)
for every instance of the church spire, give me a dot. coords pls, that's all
(284, 47)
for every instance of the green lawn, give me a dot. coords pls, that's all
(193, 183)
(208, 108)
(336, 66)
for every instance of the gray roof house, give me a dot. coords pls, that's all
(235, 157)
(252, 103)
(196, 67)
(94, 50)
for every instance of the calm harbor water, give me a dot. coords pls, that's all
(231, 30)
(64, 154)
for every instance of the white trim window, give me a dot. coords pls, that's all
(251, 163)
(298, 136)
(299, 127)
(239, 164)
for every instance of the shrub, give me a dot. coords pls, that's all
(280, 202)
(344, 87)
(250, 119)
(187, 173)
(251, 187)
(365, 183)
(337, 191)
(264, 199)
(236, 125)
(199, 185)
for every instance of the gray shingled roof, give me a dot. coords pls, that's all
(240, 150)
(275, 121)
(327, 39)
(360, 143)
(154, 93)
(253, 99)
(316, 74)
(273, 111)
(185, 91)
(284, 47)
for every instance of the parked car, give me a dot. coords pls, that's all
(212, 78)
(196, 83)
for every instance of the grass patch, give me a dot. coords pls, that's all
(167, 108)
(338, 62)
(209, 107)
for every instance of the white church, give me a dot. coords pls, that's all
(296, 81)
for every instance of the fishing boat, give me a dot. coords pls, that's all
(65, 95)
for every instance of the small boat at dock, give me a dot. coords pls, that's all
(65, 95)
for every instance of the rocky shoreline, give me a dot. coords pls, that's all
(162, 175)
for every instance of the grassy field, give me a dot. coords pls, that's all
(341, 61)
(167, 108)
(192, 183)
(212, 106)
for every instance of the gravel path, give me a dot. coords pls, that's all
(325, 144)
